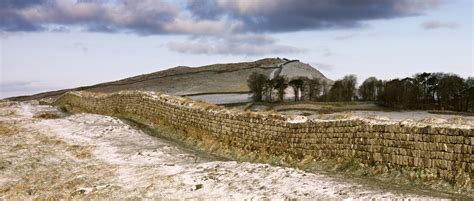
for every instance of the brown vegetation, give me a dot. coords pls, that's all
(7, 129)
(46, 115)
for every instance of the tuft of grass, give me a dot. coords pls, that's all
(7, 130)
(46, 115)
(80, 152)
(83, 153)
(199, 186)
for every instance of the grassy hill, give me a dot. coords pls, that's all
(183, 80)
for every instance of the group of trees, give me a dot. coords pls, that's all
(371, 89)
(421, 91)
(266, 89)
(342, 90)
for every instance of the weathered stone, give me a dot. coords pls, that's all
(434, 149)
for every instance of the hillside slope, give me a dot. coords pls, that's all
(182, 80)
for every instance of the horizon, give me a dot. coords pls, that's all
(57, 44)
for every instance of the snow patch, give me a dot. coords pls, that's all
(297, 119)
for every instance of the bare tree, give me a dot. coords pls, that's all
(450, 88)
(368, 89)
(314, 88)
(281, 83)
(296, 85)
(256, 83)
(268, 89)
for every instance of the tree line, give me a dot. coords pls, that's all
(441, 91)
(268, 89)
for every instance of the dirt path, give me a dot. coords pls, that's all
(94, 156)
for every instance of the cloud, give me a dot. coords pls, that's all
(202, 16)
(11, 20)
(438, 25)
(248, 44)
(289, 15)
(142, 17)
(204, 9)
(201, 27)
(19, 86)
(220, 23)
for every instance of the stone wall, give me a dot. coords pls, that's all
(446, 151)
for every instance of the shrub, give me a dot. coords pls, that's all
(46, 115)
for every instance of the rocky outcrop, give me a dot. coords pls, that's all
(294, 69)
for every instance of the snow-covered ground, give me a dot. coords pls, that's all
(396, 116)
(94, 156)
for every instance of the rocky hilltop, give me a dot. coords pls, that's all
(210, 79)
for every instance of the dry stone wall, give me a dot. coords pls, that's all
(443, 150)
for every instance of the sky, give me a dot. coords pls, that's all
(55, 44)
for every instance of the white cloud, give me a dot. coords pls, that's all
(204, 27)
(438, 25)
(254, 45)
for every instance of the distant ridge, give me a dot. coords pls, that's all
(184, 80)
